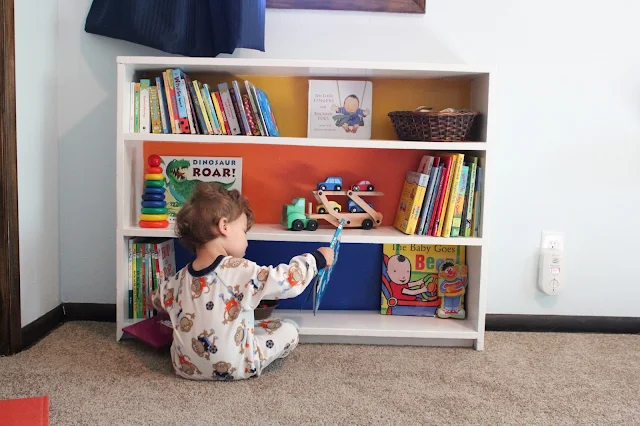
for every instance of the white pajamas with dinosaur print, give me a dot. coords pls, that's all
(215, 336)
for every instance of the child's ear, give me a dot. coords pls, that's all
(223, 226)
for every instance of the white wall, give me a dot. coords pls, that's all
(37, 145)
(565, 146)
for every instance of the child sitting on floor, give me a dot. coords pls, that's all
(212, 299)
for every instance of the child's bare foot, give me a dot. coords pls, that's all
(355, 129)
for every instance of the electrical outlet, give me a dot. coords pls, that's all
(552, 240)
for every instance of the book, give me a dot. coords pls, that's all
(267, 113)
(467, 210)
(242, 112)
(145, 109)
(183, 173)
(164, 112)
(413, 190)
(459, 203)
(452, 198)
(411, 276)
(229, 111)
(340, 109)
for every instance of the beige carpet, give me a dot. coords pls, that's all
(521, 378)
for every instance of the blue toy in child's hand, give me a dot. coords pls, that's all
(325, 273)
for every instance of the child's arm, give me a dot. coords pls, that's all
(284, 281)
(155, 301)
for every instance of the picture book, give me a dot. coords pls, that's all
(183, 173)
(413, 191)
(340, 109)
(411, 278)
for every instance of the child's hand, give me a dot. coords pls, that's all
(328, 254)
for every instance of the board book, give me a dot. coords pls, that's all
(183, 173)
(410, 277)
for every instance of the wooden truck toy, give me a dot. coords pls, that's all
(293, 216)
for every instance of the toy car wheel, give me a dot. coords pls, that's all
(367, 224)
(312, 225)
(354, 210)
(356, 188)
(370, 188)
(322, 210)
(336, 209)
(338, 187)
(322, 187)
(297, 225)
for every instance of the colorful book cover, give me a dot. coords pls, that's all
(166, 259)
(467, 212)
(410, 277)
(183, 173)
(251, 117)
(477, 209)
(196, 105)
(432, 201)
(219, 114)
(197, 126)
(413, 190)
(437, 209)
(187, 100)
(156, 126)
(434, 176)
(183, 118)
(446, 196)
(428, 166)
(237, 110)
(173, 104)
(198, 89)
(256, 110)
(168, 89)
(459, 205)
(223, 112)
(340, 109)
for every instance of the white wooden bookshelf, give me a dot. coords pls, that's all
(328, 326)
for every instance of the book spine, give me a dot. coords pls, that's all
(145, 110)
(136, 108)
(168, 90)
(236, 109)
(187, 101)
(459, 205)
(156, 127)
(174, 102)
(183, 118)
(132, 107)
(435, 220)
(219, 114)
(223, 113)
(427, 199)
(192, 103)
(196, 105)
(251, 118)
(267, 113)
(211, 111)
(242, 113)
(196, 86)
(445, 198)
(467, 212)
(432, 203)
(478, 203)
(230, 115)
(163, 105)
(255, 109)
(453, 196)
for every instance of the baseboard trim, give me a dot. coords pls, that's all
(104, 312)
(33, 332)
(562, 324)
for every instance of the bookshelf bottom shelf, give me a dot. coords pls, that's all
(370, 327)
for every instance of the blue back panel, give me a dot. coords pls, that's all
(355, 280)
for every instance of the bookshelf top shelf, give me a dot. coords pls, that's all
(303, 68)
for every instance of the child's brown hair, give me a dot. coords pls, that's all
(197, 220)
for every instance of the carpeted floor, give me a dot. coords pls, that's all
(521, 378)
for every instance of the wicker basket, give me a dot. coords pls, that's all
(433, 126)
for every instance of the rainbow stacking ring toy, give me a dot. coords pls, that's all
(154, 212)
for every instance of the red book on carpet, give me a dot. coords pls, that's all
(155, 331)
(25, 412)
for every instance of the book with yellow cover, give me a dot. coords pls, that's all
(413, 191)
(453, 196)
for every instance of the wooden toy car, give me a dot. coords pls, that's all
(332, 204)
(331, 183)
(355, 208)
(363, 185)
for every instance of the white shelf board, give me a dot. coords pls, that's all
(340, 143)
(303, 68)
(275, 232)
(373, 324)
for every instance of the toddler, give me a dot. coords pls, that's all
(212, 299)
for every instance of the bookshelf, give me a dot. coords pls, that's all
(285, 83)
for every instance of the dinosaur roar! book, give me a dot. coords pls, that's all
(181, 175)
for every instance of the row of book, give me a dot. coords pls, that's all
(151, 261)
(173, 103)
(443, 198)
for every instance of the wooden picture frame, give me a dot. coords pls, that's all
(393, 6)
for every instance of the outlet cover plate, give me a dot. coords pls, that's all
(552, 239)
